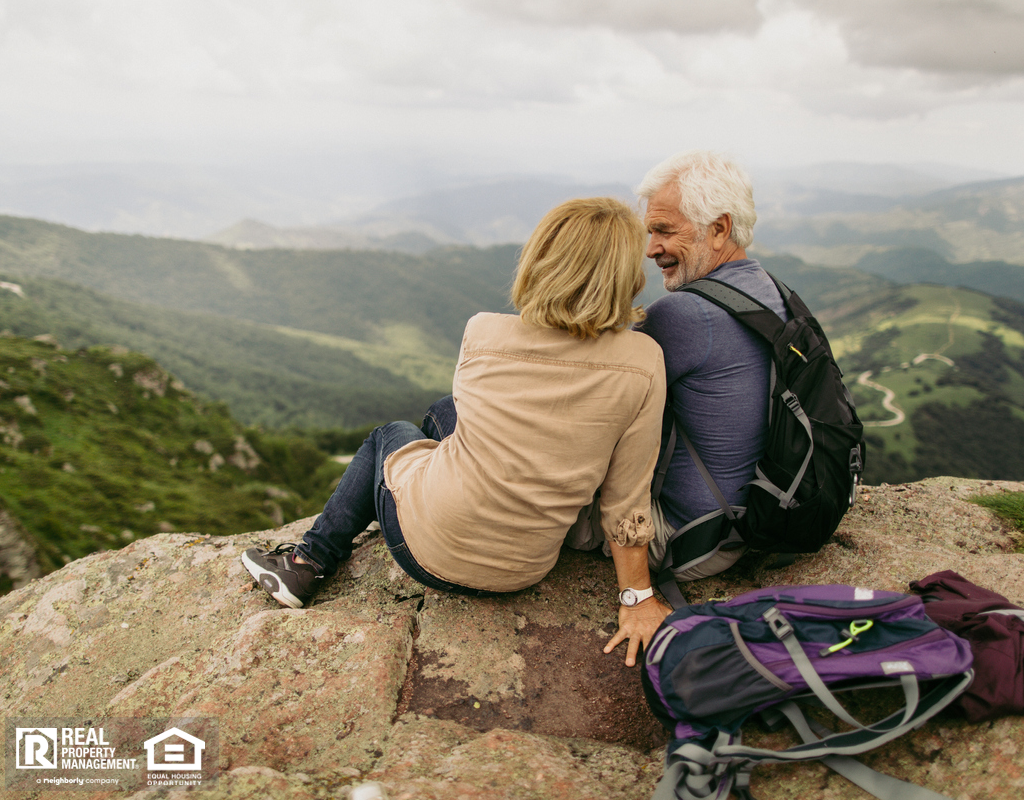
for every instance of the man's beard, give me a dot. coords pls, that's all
(698, 263)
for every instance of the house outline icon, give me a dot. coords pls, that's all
(170, 751)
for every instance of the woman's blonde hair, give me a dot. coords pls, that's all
(582, 268)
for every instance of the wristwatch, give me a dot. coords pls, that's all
(630, 597)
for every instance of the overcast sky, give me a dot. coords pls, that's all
(594, 89)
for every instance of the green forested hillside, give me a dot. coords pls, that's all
(266, 377)
(306, 338)
(343, 293)
(101, 446)
(910, 265)
(342, 339)
(953, 360)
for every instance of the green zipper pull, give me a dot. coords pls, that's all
(857, 627)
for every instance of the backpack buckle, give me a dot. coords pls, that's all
(779, 624)
(856, 462)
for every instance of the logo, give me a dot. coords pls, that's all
(36, 748)
(100, 754)
(174, 750)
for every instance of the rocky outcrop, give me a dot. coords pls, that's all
(438, 697)
(18, 563)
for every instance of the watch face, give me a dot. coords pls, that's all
(627, 597)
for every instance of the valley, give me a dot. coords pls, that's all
(291, 355)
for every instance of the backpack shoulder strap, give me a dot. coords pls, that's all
(744, 308)
(835, 749)
(794, 304)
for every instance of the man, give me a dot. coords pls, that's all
(700, 216)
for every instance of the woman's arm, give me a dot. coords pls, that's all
(637, 623)
(626, 516)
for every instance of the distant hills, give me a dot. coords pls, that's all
(352, 294)
(977, 222)
(481, 214)
(906, 225)
(321, 204)
(326, 338)
(251, 234)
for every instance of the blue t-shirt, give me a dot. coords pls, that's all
(718, 373)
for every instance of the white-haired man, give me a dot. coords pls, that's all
(700, 216)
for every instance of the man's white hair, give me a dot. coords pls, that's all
(709, 185)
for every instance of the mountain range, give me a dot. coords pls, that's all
(360, 321)
(152, 384)
(968, 223)
(342, 339)
(320, 205)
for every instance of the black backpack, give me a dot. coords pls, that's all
(814, 451)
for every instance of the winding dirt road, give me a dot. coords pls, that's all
(864, 379)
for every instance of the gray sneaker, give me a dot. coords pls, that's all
(290, 583)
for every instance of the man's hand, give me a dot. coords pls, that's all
(638, 624)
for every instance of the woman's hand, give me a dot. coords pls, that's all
(638, 624)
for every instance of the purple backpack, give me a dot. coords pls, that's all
(710, 667)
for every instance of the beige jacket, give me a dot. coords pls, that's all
(545, 421)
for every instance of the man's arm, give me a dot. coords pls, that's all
(637, 623)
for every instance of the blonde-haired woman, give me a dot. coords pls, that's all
(548, 409)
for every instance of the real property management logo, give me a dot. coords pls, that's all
(123, 753)
(36, 748)
(73, 748)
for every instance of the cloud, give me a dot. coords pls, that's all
(978, 37)
(684, 17)
(391, 53)
(534, 82)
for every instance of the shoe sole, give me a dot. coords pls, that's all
(271, 583)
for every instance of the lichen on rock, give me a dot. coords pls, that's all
(438, 697)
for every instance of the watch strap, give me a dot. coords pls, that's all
(639, 595)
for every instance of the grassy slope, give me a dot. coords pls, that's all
(99, 447)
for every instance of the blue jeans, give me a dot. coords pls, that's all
(362, 496)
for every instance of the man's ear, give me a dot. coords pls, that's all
(719, 231)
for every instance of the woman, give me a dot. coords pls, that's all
(552, 407)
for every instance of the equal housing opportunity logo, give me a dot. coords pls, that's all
(120, 753)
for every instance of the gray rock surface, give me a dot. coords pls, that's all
(438, 697)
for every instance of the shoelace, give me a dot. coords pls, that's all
(289, 547)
